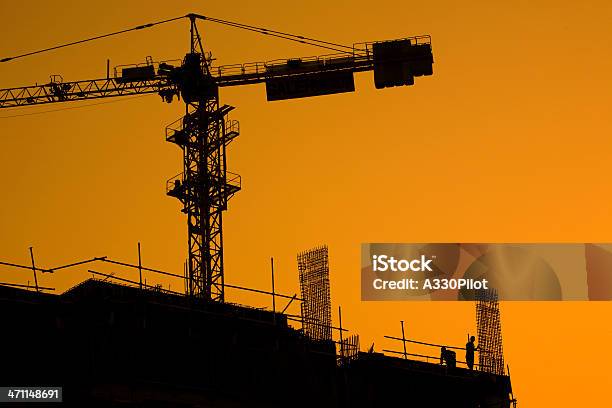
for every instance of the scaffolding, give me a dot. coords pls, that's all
(488, 322)
(313, 266)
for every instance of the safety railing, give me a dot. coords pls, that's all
(175, 184)
(118, 69)
(141, 282)
(291, 65)
(440, 359)
(367, 48)
(233, 179)
(360, 51)
(232, 127)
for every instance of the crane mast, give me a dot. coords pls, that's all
(204, 132)
(203, 187)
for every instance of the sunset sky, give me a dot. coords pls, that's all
(508, 141)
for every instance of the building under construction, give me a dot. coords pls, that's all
(111, 344)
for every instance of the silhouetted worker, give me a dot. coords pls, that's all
(470, 348)
(448, 357)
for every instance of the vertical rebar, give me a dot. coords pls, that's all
(34, 269)
(139, 265)
(340, 327)
(404, 341)
(273, 292)
(185, 280)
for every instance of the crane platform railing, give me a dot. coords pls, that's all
(118, 69)
(362, 54)
(176, 134)
(232, 129)
(175, 185)
(367, 46)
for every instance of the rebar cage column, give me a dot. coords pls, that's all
(488, 322)
(313, 266)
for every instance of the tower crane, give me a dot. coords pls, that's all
(204, 132)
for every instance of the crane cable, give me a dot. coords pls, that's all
(279, 34)
(140, 27)
(285, 37)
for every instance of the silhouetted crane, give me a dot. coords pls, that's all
(205, 186)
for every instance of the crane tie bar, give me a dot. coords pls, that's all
(265, 31)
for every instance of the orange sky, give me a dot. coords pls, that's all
(509, 141)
